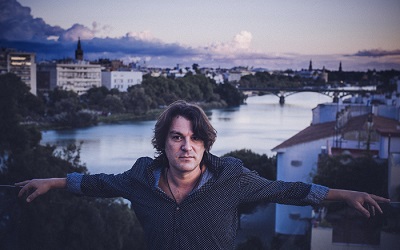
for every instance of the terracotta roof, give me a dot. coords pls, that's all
(381, 125)
(311, 133)
(385, 126)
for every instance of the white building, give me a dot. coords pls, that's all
(21, 64)
(233, 76)
(78, 77)
(336, 129)
(121, 80)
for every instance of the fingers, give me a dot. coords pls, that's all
(372, 209)
(22, 183)
(24, 186)
(362, 210)
(379, 198)
(32, 196)
(374, 199)
(28, 187)
(371, 202)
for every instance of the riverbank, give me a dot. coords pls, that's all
(47, 124)
(152, 114)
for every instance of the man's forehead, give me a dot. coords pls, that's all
(180, 124)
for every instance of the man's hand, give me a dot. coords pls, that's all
(365, 203)
(36, 187)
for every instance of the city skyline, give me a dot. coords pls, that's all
(270, 34)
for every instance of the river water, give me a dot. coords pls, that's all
(259, 125)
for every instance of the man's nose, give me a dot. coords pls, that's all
(187, 145)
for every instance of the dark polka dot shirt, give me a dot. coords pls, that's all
(208, 217)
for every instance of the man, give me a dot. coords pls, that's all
(187, 198)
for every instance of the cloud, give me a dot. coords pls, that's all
(143, 35)
(77, 31)
(241, 42)
(17, 23)
(19, 30)
(377, 53)
(80, 31)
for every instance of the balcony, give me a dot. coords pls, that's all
(332, 226)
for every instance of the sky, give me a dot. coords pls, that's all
(277, 35)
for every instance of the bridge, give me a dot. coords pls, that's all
(335, 93)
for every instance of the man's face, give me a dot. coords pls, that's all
(183, 149)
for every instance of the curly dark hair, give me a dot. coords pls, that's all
(202, 127)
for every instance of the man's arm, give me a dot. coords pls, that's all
(358, 200)
(36, 187)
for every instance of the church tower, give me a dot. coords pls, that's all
(310, 66)
(79, 51)
(340, 67)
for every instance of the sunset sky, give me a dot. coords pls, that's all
(362, 34)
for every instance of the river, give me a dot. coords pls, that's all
(259, 125)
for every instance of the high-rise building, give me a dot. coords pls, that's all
(121, 80)
(75, 76)
(78, 76)
(21, 64)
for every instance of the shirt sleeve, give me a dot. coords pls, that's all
(74, 183)
(317, 194)
(256, 188)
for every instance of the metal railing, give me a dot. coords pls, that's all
(332, 226)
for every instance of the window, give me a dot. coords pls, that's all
(296, 163)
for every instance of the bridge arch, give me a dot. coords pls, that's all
(335, 94)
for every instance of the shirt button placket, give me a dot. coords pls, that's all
(177, 227)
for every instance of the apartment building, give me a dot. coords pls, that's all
(21, 64)
(121, 80)
(336, 129)
(77, 76)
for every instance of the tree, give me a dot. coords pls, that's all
(136, 101)
(345, 172)
(265, 166)
(113, 104)
(262, 164)
(231, 95)
(95, 96)
(195, 67)
(15, 105)
(58, 220)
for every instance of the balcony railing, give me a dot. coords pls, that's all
(332, 226)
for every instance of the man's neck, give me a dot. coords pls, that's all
(179, 185)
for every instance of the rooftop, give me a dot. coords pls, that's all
(381, 125)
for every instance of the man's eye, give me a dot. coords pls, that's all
(195, 138)
(177, 137)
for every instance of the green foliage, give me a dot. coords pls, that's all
(65, 110)
(265, 166)
(345, 172)
(266, 80)
(252, 243)
(230, 94)
(113, 104)
(15, 104)
(96, 95)
(136, 101)
(58, 219)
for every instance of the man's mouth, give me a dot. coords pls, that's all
(186, 157)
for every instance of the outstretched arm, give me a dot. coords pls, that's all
(358, 200)
(36, 187)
